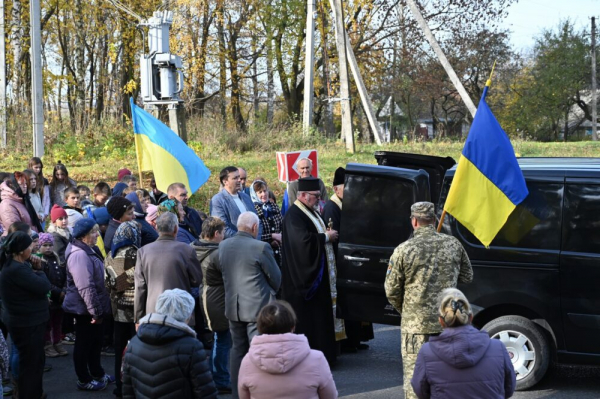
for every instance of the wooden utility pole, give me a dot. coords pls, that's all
(440, 54)
(594, 89)
(37, 95)
(2, 79)
(309, 67)
(340, 40)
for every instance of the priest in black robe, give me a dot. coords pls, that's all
(308, 270)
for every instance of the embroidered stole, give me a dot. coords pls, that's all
(336, 200)
(340, 332)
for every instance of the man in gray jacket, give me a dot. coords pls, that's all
(164, 265)
(251, 278)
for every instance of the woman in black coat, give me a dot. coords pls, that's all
(165, 359)
(24, 289)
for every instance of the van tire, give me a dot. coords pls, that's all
(526, 344)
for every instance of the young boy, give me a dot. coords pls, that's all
(60, 231)
(131, 182)
(74, 212)
(84, 193)
(57, 274)
(101, 194)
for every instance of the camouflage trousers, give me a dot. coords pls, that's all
(411, 344)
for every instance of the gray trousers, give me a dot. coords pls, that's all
(241, 335)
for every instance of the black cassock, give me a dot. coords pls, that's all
(303, 259)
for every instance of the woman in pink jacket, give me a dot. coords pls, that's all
(280, 363)
(15, 205)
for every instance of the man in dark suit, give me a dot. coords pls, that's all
(251, 278)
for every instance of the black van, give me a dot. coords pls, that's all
(537, 287)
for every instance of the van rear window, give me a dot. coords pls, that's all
(582, 218)
(376, 211)
(534, 224)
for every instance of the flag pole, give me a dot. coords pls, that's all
(439, 228)
(489, 81)
(135, 140)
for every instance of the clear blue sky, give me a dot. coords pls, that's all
(528, 18)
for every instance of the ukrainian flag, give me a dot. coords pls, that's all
(488, 183)
(160, 150)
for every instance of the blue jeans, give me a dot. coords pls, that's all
(220, 359)
(14, 361)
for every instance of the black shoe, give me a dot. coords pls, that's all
(362, 347)
(117, 392)
(349, 349)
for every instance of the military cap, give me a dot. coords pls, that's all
(423, 209)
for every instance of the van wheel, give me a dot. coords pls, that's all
(527, 347)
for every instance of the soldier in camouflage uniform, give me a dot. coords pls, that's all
(419, 270)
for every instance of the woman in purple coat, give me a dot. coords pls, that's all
(462, 362)
(88, 300)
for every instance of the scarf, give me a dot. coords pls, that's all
(340, 332)
(267, 207)
(127, 234)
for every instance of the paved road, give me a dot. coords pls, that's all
(374, 374)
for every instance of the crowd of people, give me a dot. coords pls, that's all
(242, 301)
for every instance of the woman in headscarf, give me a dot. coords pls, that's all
(119, 268)
(15, 205)
(24, 290)
(269, 215)
(140, 200)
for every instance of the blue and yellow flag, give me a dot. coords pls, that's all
(160, 150)
(488, 183)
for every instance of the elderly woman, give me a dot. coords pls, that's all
(16, 205)
(88, 300)
(462, 362)
(120, 280)
(24, 288)
(269, 215)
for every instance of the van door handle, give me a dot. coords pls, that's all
(356, 259)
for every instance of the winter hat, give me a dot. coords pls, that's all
(46, 238)
(83, 227)
(117, 206)
(101, 215)
(57, 212)
(152, 213)
(122, 173)
(175, 303)
(17, 242)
